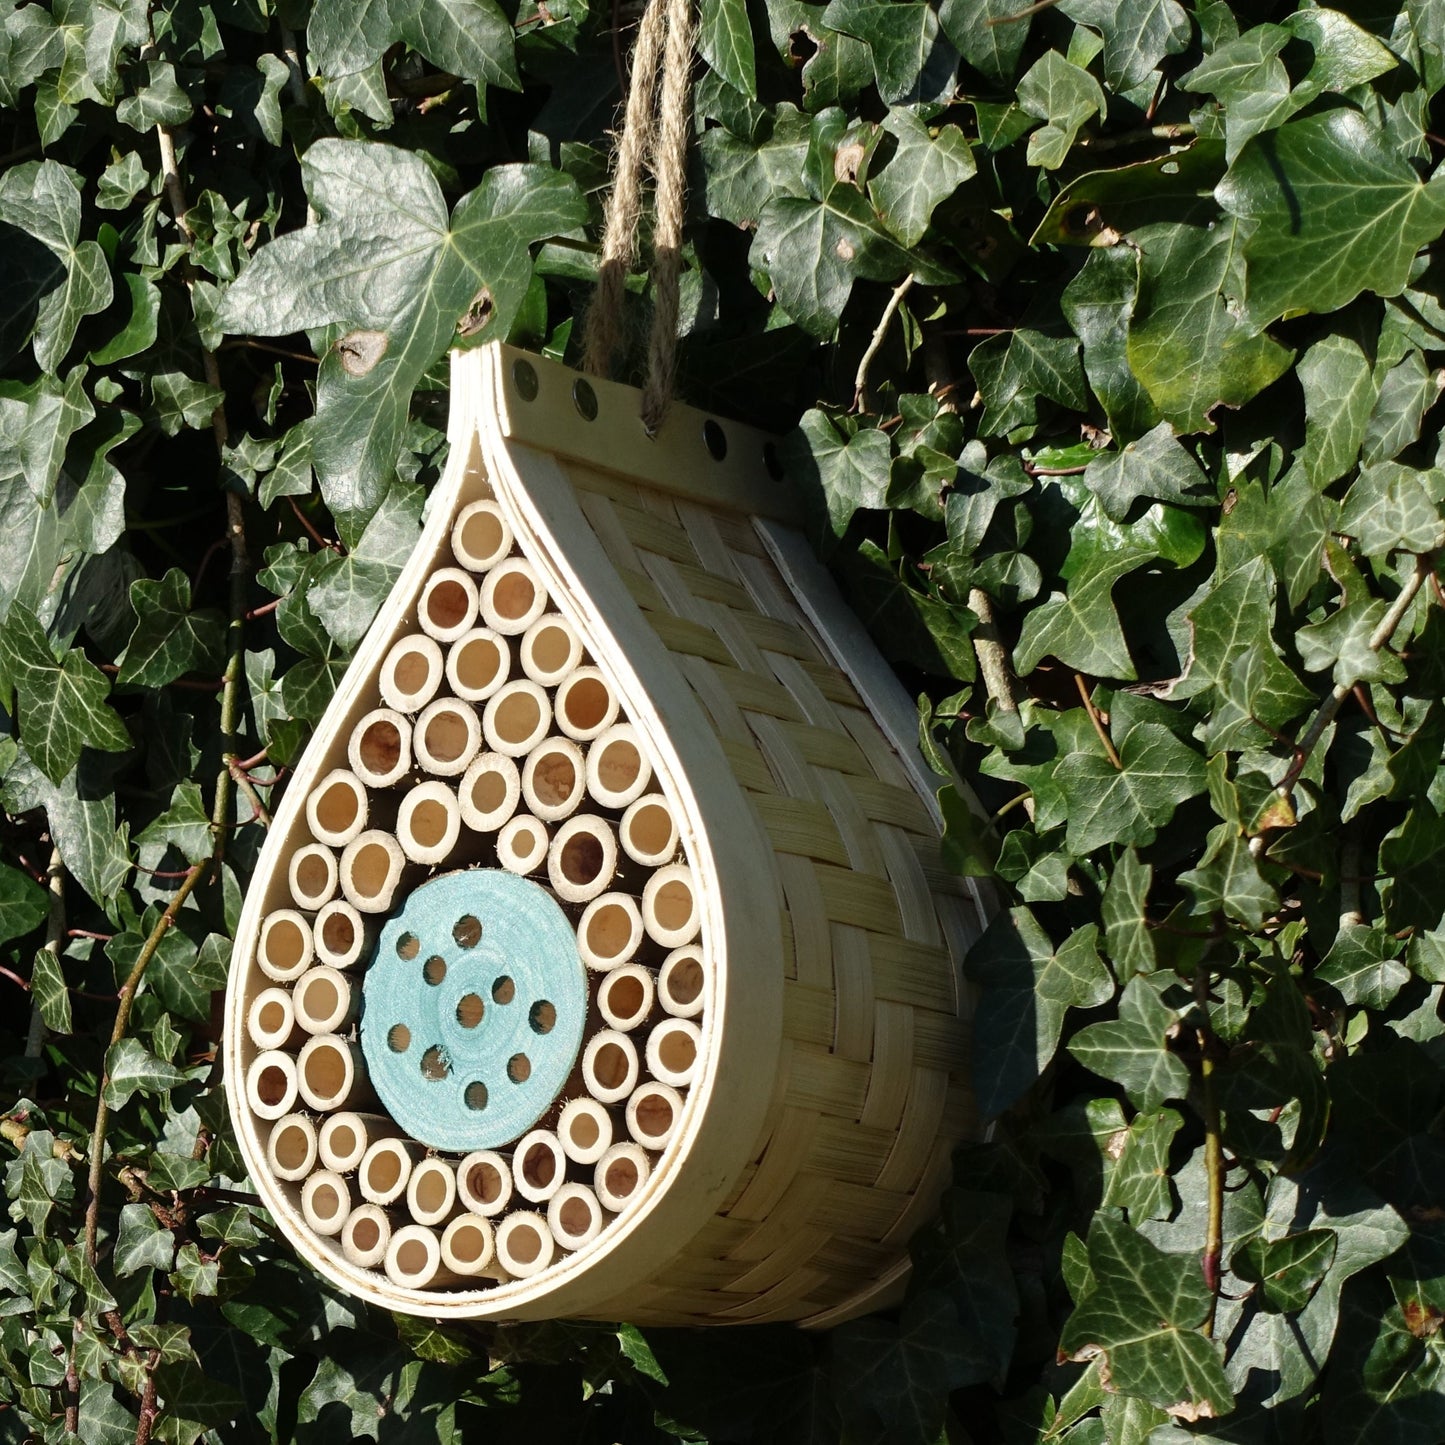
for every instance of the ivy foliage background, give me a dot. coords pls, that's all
(1110, 337)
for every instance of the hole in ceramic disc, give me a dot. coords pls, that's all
(543, 1017)
(519, 1068)
(467, 932)
(470, 1009)
(435, 1065)
(504, 990)
(434, 970)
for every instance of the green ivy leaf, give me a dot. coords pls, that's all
(1154, 466)
(1138, 1168)
(140, 1242)
(1128, 937)
(1287, 1271)
(1138, 34)
(725, 41)
(1133, 1049)
(131, 1068)
(1064, 95)
(169, 639)
(1340, 388)
(923, 170)
(1013, 371)
(50, 992)
(467, 37)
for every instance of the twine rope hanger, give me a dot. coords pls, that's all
(654, 130)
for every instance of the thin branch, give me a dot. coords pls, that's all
(860, 381)
(1213, 1152)
(1021, 14)
(9, 973)
(1181, 130)
(250, 343)
(311, 531)
(55, 932)
(1098, 723)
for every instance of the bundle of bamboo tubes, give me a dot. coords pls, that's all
(494, 741)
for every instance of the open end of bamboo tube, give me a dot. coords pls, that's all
(609, 1066)
(522, 845)
(285, 950)
(624, 997)
(682, 982)
(539, 1167)
(345, 1137)
(553, 779)
(340, 934)
(370, 870)
(478, 664)
(524, 1244)
(429, 823)
(326, 1202)
(336, 809)
(489, 792)
(512, 597)
(653, 1114)
(585, 1131)
(431, 1192)
(379, 749)
(621, 1174)
(649, 831)
(271, 1084)
(365, 1236)
(414, 1259)
(312, 876)
(516, 719)
(669, 906)
(291, 1149)
(484, 1182)
(448, 605)
(328, 1072)
(411, 673)
(385, 1169)
(446, 737)
(582, 859)
(550, 649)
(673, 1050)
(586, 704)
(324, 1000)
(271, 1019)
(468, 1245)
(480, 536)
(617, 770)
(574, 1216)
(609, 931)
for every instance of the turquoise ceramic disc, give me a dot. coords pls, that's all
(473, 1007)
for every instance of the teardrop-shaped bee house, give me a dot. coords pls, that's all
(601, 961)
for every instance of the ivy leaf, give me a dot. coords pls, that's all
(989, 34)
(1341, 643)
(725, 41)
(1013, 371)
(23, 903)
(1340, 388)
(1138, 1176)
(184, 826)
(37, 423)
(839, 474)
(386, 260)
(1287, 1271)
(741, 176)
(1329, 211)
(140, 1242)
(909, 63)
(1393, 506)
(1064, 95)
(924, 170)
(1406, 393)
(1228, 879)
(1128, 938)
(466, 37)
(1028, 987)
(50, 992)
(169, 639)
(1153, 466)
(1133, 1049)
(1138, 34)
(1143, 1317)
(130, 1067)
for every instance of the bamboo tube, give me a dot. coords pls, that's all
(286, 948)
(312, 876)
(649, 831)
(448, 605)
(346, 1136)
(550, 649)
(468, 1245)
(324, 1000)
(447, 737)
(522, 845)
(682, 982)
(524, 1244)
(584, 1130)
(271, 1020)
(411, 673)
(478, 663)
(340, 935)
(620, 1176)
(609, 1066)
(517, 718)
(674, 1048)
(574, 1216)
(330, 1073)
(582, 859)
(371, 868)
(653, 1114)
(379, 749)
(326, 1202)
(366, 1235)
(385, 1169)
(431, 1192)
(624, 997)
(586, 704)
(489, 792)
(414, 1259)
(513, 597)
(553, 779)
(336, 808)
(617, 768)
(271, 1084)
(291, 1149)
(609, 931)
(480, 536)
(539, 1167)
(484, 1182)
(429, 822)
(670, 911)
